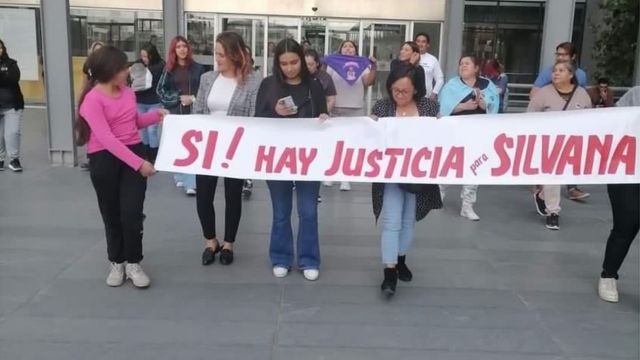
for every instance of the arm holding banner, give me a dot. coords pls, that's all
(370, 77)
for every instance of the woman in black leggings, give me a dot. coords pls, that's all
(625, 204)
(230, 90)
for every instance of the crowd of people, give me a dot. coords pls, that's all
(122, 104)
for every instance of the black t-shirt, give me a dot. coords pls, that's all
(301, 97)
(481, 83)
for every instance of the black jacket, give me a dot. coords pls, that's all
(169, 92)
(10, 93)
(271, 90)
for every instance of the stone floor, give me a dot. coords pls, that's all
(504, 288)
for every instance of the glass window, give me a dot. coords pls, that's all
(33, 89)
(200, 33)
(252, 31)
(149, 29)
(510, 31)
(383, 42)
(340, 31)
(280, 29)
(578, 27)
(433, 30)
(313, 31)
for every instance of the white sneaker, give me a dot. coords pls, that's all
(137, 275)
(608, 290)
(345, 186)
(467, 212)
(191, 192)
(179, 184)
(280, 271)
(327, 183)
(311, 274)
(116, 275)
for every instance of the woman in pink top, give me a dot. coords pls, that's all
(108, 124)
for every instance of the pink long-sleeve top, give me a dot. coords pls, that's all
(114, 123)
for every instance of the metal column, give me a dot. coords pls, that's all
(59, 82)
(556, 28)
(171, 16)
(454, 27)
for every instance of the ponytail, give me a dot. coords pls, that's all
(81, 128)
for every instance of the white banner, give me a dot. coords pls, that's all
(581, 147)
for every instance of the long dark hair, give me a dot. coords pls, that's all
(238, 52)
(172, 58)
(348, 41)
(289, 46)
(404, 70)
(152, 53)
(102, 66)
(5, 54)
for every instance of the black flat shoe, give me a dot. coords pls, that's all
(209, 255)
(388, 286)
(226, 257)
(404, 274)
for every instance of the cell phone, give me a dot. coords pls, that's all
(288, 102)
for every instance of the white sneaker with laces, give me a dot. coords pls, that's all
(137, 275)
(345, 186)
(468, 212)
(311, 274)
(116, 275)
(280, 271)
(608, 289)
(327, 183)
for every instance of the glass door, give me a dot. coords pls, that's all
(201, 34)
(280, 29)
(339, 31)
(382, 41)
(252, 31)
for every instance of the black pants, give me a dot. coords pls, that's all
(206, 186)
(625, 203)
(120, 191)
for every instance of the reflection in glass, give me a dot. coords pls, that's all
(508, 31)
(313, 31)
(252, 31)
(340, 31)
(201, 32)
(382, 41)
(280, 29)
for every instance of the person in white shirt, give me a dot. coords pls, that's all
(230, 90)
(432, 70)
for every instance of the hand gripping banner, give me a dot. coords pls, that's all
(596, 146)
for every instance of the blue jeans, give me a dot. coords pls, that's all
(398, 220)
(189, 180)
(281, 246)
(10, 122)
(149, 134)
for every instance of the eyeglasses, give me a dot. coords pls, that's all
(400, 91)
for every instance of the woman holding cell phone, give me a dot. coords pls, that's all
(291, 92)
